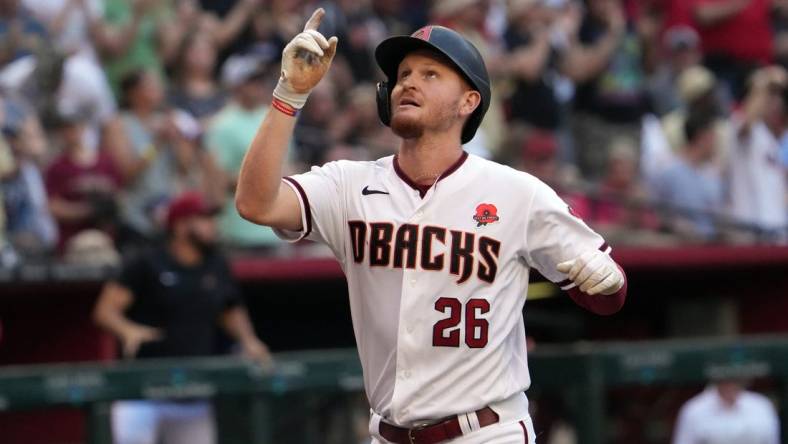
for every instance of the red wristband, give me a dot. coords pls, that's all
(284, 107)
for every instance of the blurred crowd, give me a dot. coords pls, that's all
(659, 121)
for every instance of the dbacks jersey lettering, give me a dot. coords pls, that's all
(416, 247)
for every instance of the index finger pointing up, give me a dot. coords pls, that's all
(314, 21)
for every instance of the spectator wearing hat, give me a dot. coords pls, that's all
(228, 137)
(167, 303)
(698, 93)
(680, 50)
(82, 183)
(539, 157)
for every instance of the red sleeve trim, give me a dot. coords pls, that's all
(601, 304)
(307, 209)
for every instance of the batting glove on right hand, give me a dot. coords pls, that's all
(305, 60)
(594, 272)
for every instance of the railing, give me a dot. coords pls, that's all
(589, 369)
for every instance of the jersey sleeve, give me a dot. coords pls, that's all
(553, 234)
(320, 193)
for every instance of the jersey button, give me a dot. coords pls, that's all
(407, 374)
(419, 214)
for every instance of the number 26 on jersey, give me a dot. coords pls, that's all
(448, 331)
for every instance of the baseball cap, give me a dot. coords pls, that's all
(540, 145)
(188, 204)
(239, 69)
(681, 37)
(91, 247)
(694, 82)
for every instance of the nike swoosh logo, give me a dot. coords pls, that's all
(366, 191)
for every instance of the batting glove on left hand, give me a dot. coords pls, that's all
(593, 273)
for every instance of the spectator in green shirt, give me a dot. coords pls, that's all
(132, 36)
(229, 135)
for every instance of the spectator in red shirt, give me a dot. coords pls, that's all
(736, 36)
(621, 199)
(82, 183)
(540, 158)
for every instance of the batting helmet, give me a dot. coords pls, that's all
(462, 54)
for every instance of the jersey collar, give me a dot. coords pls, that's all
(422, 189)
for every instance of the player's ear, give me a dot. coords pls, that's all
(471, 99)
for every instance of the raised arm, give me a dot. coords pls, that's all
(711, 13)
(261, 196)
(583, 62)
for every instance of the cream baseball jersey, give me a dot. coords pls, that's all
(438, 275)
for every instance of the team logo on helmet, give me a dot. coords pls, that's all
(486, 214)
(423, 33)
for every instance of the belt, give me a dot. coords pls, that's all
(433, 433)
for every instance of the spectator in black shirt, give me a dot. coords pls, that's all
(532, 64)
(611, 98)
(166, 303)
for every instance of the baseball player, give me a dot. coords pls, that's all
(437, 245)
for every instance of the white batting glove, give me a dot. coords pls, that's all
(593, 272)
(305, 60)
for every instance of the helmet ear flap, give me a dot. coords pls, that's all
(383, 97)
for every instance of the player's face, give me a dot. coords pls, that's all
(430, 96)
